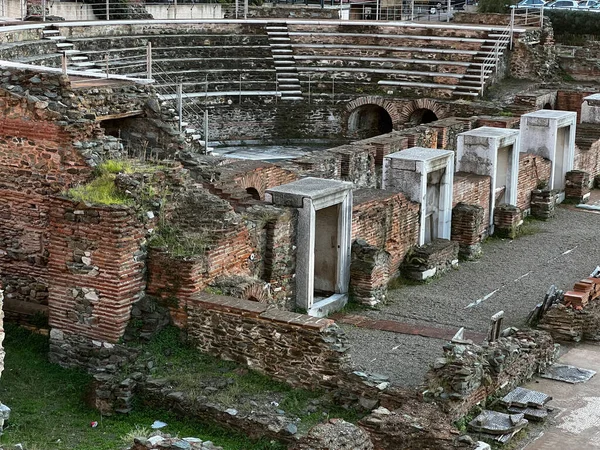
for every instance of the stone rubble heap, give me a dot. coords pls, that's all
(573, 315)
(165, 442)
(469, 373)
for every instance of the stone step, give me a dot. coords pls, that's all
(79, 58)
(71, 52)
(288, 80)
(277, 33)
(55, 38)
(387, 48)
(282, 50)
(416, 84)
(470, 94)
(284, 87)
(280, 39)
(94, 70)
(276, 28)
(84, 64)
(382, 71)
(285, 56)
(64, 45)
(292, 98)
(290, 92)
(279, 45)
(50, 32)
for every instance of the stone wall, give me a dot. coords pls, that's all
(469, 373)
(300, 350)
(534, 171)
(96, 267)
(473, 189)
(386, 220)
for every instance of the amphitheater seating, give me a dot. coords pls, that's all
(290, 59)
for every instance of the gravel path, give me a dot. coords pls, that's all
(511, 276)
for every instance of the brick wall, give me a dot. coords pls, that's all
(587, 148)
(297, 349)
(176, 279)
(387, 220)
(532, 171)
(93, 298)
(571, 101)
(473, 190)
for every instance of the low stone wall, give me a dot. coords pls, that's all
(298, 349)
(467, 223)
(507, 220)
(469, 373)
(534, 171)
(431, 259)
(369, 273)
(473, 189)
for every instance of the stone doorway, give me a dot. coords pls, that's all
(323, 241)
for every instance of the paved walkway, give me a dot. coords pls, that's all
(576, 424)
(511, 276)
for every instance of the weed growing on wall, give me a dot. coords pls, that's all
(102, 189)
(178, 243)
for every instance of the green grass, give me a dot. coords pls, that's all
(102, 190)
(49, 411)
(180, 244)
(187, 370)
(99, 191)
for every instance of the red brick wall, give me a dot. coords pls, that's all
(571, 101)
(587, 148)
(111, 235)
(178, 278)
(386, 220)
(473, 190)
(532, 170)
(36, 155)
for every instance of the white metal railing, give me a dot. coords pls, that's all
(490, 62)
(527, 17)
(414, 10)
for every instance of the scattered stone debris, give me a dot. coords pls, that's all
(568, 374)
(526, 398)
(160, 441)
(335, 434)
(527, 402)
(498, 426)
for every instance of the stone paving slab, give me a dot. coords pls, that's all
(576, 424)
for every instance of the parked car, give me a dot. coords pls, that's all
(531, 4)
(563, 4)
(587, 4)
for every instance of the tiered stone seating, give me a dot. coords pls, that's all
(288, 58)
(428, 57)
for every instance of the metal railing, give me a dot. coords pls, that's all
(527, 17)
(490, 62)
(420, 10)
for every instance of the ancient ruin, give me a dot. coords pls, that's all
(249, 175)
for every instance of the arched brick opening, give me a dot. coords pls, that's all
(547, 106)
(420, 111)
(253, 192)
(369, 120)
(421, 116)
(370, 109)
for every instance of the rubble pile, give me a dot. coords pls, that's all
(573, 315)
(468, 373)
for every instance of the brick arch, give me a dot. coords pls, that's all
(421, 103)
(254, 180)
(388, 105)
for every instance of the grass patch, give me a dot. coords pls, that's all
(191, 371)
(49, 412)
(102, 189)
(99, 191)
(180, 244)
